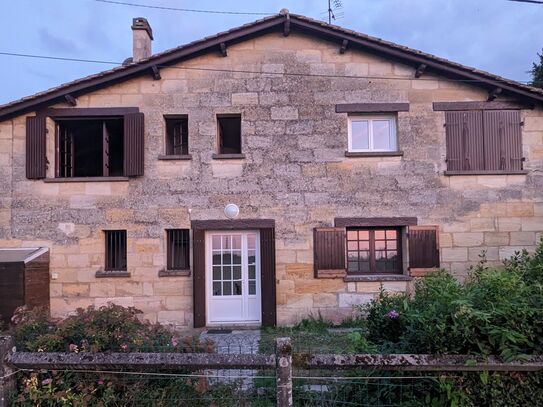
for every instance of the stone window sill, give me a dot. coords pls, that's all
(485, 172)
(374, 154)
(378, 277)
(228, 156)
(174, 273)
(111, 274)
(181, 157)
(86, 179)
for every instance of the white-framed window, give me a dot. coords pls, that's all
(372, 133)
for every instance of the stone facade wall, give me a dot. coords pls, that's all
(295, 172)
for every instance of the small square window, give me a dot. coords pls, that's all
(177, 136)
(115, 250)
(229, 134)
(177, 249)
(372, 133)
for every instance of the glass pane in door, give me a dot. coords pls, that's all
(226, 263)
(251, 262)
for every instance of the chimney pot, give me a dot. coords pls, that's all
(142, 35)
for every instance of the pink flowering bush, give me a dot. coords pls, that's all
(111, 328)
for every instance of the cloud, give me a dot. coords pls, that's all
(57, 44)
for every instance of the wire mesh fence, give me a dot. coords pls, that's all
(244, 368)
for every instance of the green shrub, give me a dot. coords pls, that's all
(494, 312)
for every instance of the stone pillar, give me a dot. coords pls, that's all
(7, 378)
(283, 354)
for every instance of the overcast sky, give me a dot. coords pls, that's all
(499, 36)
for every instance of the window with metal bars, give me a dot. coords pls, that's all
(91, 147)
(177, 137)
(115, 250)
(177, 249)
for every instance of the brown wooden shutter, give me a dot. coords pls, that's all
(329, 252)
(134, 135)
(464, 139)
(423, 249)
(267, 268)
(36, 159)
(199, 277)
(503, 142)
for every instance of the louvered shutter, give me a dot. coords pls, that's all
(199, 277)
(36, 159)
(268, 282)
(329, 252)
(503, 142)
(464, 139)
(423, 244)
(134, 136)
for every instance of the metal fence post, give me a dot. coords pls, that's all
(283, 353)
(7, 378)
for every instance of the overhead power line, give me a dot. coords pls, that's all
(187, 10)
(187, 68)
(528, 1)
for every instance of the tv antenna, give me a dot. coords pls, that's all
(333, 13)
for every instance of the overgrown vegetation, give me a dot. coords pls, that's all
(494, 312)
(110, 328)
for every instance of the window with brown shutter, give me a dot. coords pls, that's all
(36, 160)
(134, 144)
(423, 249)
(177, 250)
(374, 251)
(115, 250)
(329, 252)
(89, 147)
(177, 138)
(481, 142)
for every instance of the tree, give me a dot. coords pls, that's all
(537, 72)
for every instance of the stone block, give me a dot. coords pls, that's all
(491, 253)
(325, 300)
(368, 286)
(128, 288)
(246, 98)
(78, 260)
(482, 224)
(299, 300)
(284, 113)
(395, 286)
(534, 224)
(102, 289)
(227, 170)
(353, 299)
(496, 238)
(520, 209)
(468, 239)
(171, 317)
(509, 224)
(98, 188)
(522, 238)
(454, 254)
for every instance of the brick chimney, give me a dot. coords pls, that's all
(142, 35)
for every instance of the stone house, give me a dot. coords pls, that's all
(280, 169)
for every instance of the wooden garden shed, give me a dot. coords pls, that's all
(24, 279)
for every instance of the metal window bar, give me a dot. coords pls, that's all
(178, 249)
(66, 153)
(177, 143)
(115, 250)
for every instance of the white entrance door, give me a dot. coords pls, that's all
(233, 277)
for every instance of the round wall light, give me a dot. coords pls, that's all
(231, 211)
